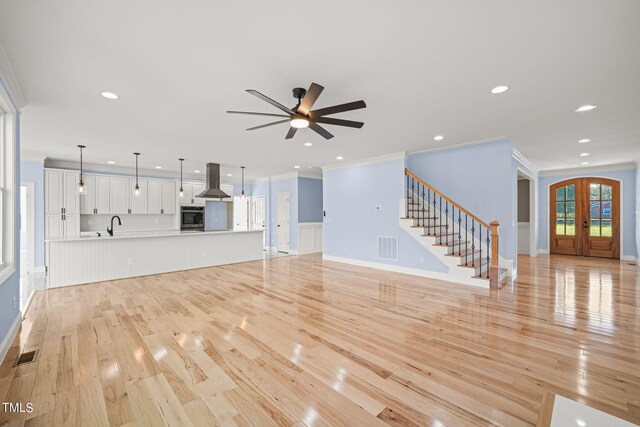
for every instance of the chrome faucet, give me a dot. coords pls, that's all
(110, 230)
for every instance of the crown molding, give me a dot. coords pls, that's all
(522, 159)
(461, 145)
(120, 170)
(303, 174)
(590, 169)
(378, 159)
(7, 75)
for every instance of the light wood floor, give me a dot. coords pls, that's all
(299, 341)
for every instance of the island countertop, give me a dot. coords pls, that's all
(144, 234)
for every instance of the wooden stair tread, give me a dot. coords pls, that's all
(500, 271)
(478, 264)
(462, 242)
(462, 254)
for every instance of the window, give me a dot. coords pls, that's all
(566, 211)
(8, 160)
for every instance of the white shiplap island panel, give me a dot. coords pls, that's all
(93, 259)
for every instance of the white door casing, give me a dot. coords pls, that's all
(282, 221)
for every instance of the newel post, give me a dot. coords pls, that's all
(494, 269)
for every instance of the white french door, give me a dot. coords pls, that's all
(258, 216)
(282, 220)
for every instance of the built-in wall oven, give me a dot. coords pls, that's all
(192, 218)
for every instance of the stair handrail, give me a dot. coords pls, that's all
(494, 271)
(457, 205)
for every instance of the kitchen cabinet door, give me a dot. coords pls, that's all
(168, 198)
(71, 225)
(118, 195)
(187, 195)
(154, 196)
(198, 187)
(102, 194)
(53, 192)
(88, 197)
(54, 229)
(138, 204)
(71, 198)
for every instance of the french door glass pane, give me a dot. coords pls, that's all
(595, 191)
(559, 208)
(560, 193)
(571, 227)
(560, 226)
(594, 212)
(607, 228)
(606, 209)
(571, 209)
(594, 230)
(571, 192)
(606, 192)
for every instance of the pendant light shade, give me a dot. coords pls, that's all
(242, 193)
(181, 191)
(136, 189)
(81, 188)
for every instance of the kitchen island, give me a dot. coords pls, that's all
(87, 259)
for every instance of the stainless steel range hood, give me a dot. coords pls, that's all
(212, 190)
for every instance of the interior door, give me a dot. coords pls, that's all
(258, 216)
(240, 213)
(282, 219)
(585, 217)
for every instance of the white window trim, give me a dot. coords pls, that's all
(8, 166)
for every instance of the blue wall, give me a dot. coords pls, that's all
(481, 178)
(353, 223)
(215, 216)
(34, 172)
(629, 200)
(10, 288)
(309, 200)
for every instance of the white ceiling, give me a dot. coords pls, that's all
(423, 67)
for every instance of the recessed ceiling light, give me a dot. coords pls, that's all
(587, 107)
(585, 140)
(111, 162)
(339, 158)
(584, 163)
(109, 95)
(158, 167)
(196, 171)
(499, 89)
(308, 144)
(229, 174)
(297, 167)
(438, 138)
(584, 154)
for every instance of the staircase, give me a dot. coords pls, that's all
(467, 245)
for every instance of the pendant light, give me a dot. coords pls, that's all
(136, 189)
(242, 193)
(81, 183)
(181, 189)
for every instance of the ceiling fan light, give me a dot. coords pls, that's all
(299, 122)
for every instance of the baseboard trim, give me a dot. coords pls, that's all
(400, 269)
(628, 258)
(312, 251)
(11, 334)
(27, 305)
(543, 251)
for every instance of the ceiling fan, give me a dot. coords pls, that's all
(301, 116)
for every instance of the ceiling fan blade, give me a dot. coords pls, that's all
(291, 133)
(269, 124)
(310, 98)
(356, 105)
(270, 101)
(320, 130)
(338, 122)
(257, 114)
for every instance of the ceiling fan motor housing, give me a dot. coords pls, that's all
(299, 92)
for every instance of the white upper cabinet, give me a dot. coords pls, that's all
(88, 198)
(53, 192)
(71, 201)
(62, 204)
(102, 194)
(187, 194)
(138, 204)
(168, 198)
(119, 195)
(228, 189)
(198, 187)
(154, 196)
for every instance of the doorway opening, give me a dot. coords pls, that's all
(526, 242)
(27, 243)
(585, 217)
